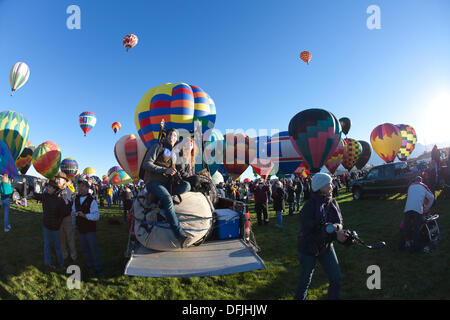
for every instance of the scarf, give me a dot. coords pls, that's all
(326, 209)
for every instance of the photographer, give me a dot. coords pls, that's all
(314, 243)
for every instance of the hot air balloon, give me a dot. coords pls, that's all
(316, 133)
(213, 146)
(351, 154)
(129, 41)
(409, 140)
(365, 155)
(338, 156)
(386, 141)
(18, 76)
(239, 152)
(305, 56)
(263, 164)
(89, 172)
(23, 163)
(117, 175)
(345, 125)
(116, 126)
(14, 132)
(284, 153)
(7, 165)
(46, 159)
(87, 121)
(70, 167)
(129, 152)
(178, 104)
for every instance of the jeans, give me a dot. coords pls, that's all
(49, 237)
(161, 192)
(6, 205)
(279, 218)
(411, 219)
(88, 242)
(330, 264)
(297, 202)
(109, 199)
(291, 208)
(261, 210)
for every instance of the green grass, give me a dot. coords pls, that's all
(403, 276)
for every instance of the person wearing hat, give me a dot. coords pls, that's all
(85, 209)
(160, 173)
(67, 229)
(53, 208)
(314, 244)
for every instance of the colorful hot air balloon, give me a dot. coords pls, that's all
(352, 153)
(263, 163)
(18, 76)
(365, 155)
(316, 133)
(386, 141)
(89, 172)
(70, 167)
(129, 41)
(14, 132)
(116, 126)
(129, 152)
(239, 152)
(87, 121)
(117, 175)
(46, 159)
(305, 56)
(346, 123)
(7, 165)
(409, 140)
(23, 163)
(178, 104)
(284, 153)
(336, 159)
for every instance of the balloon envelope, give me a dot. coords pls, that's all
(116, 126)
(7, 165)
(87, 121)
(18, 75)
(213, 148)
(239, 152)
(305, 56)
(178, 104)
(89, 172)
(316, 133)
(46, 159)
(409, 140)
(129, 152)
(284, 153)
(345, 124)
(338, 156)
(365, 155)
(217, 178)
(129, 41)
(352, 153)
(386, 141)
(23, 163)
(70, 167)
(14, 132)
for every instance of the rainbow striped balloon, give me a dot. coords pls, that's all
(129, 152)
(47, 158)
(178, 104)
(23, 163)
(87, 121)
(116, 126)
(336, 159)
(70, 167)
(14, 132)
(18, 76)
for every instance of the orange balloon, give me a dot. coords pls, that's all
(305, 56)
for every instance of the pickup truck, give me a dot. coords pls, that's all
(386, 179)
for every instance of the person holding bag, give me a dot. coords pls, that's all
(5, 191)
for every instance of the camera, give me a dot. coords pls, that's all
(352, 236)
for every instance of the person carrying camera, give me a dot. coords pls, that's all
(314, 243)
(161, 179)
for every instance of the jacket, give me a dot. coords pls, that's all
(317, 211)
(53, 208)
(261, 194)
(291, 193)
(279, 196)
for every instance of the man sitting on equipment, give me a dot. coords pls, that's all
(164, 181)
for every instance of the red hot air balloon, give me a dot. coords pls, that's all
(305, 56)
(129, 41)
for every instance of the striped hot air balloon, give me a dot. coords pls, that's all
(409, 140)
(316, 133)
(23, 163)
(338, 156)
(14, 132)
(386, 141)
(129, 152)
(179, 105)
(129, 41)
(46, 159)
(117, 175)
(18, 76)
(284, 153)
(116, 126)
(87, 121)
(70, 167)
(352, 154)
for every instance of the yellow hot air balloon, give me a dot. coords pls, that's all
(386, 141)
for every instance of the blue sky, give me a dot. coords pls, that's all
(244, 54)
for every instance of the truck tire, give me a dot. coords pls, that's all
(357, 194)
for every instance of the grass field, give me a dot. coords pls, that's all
(403, 276)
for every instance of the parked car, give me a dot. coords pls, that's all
(386, 179)
(25, 186)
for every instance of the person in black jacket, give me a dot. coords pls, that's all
(279, 197)
(314, 243)
(291, 196)
(53, 210)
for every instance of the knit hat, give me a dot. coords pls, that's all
(320, 180)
